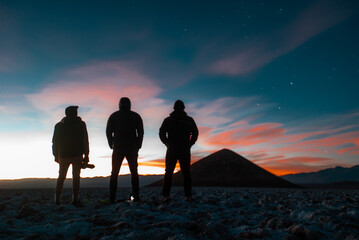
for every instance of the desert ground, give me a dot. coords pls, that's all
(215, 213)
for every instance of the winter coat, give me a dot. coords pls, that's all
(70, 138)
(125, 129)
(179, 131)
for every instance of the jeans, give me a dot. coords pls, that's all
(118, 155)
(64, 164)
(184, 157)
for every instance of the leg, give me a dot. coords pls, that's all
(76, 170)
(171, 160)
(131, 157)
(117, 158)
(185, 164)
(64, 166)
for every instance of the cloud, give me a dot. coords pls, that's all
(286, 149)
(234, 123)
(248, 57)
(95, 84)
(97, 88)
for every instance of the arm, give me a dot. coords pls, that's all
(140, 131)
(86, 149)
(163, 133)
(109, 131)
(55, 143)
(194, 133)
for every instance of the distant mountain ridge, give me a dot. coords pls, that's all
(226, 168)
(95, 182)
(326, 176)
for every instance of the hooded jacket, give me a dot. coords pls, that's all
(125, 129)
(70, 138)
(179, 131)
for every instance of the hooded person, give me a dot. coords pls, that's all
(124, 133)
(179, 133)
(70, 146)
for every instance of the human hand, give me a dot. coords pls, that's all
(86, 159)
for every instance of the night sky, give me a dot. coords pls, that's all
(275, 81)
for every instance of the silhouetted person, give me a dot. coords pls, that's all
(70, 146)
(179, 133)
(124, 133)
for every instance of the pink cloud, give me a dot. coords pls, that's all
(97, 88)
(275, 147)
(319, 17)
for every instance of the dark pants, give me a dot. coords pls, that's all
(64, 164)
(118, 155)
(184, 157)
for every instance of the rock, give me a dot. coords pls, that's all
(2, 207)
(164, 224)
(101, 220)
(193, 227)
(252, 235)
(32, 237)
(277, 223)
(26, 211)
(304, 233)
(122, 225)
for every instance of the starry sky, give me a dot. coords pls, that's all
(275, 81)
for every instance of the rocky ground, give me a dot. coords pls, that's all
(215, 213)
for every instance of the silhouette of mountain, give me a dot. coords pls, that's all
(326, 176)
(95, 182)
(226, 168)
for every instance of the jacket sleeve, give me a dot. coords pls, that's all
(163, 132)
(109, 131)
(140, 131)
(55, 141)
(194, 132)
(85, 140)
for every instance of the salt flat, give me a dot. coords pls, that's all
(216, 213)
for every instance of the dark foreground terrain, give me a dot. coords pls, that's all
(216, 213)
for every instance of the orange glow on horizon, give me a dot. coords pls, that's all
(280, 172)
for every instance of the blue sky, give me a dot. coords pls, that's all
(274, 81)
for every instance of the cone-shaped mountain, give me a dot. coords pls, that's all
(226, 168)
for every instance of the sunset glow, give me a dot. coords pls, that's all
(276, 82)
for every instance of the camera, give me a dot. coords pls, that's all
(87, 165)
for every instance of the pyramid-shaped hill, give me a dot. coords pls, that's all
(226, 168)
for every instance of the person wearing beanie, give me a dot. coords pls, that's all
(70, 145)
(124, 133)
(179, 133)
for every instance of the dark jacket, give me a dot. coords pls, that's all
(179, 131)
(125, 129)
(70, 138)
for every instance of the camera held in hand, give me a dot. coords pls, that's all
(85, 164)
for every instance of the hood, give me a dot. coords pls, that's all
(125, 104)
(178, 115)
(68, 119)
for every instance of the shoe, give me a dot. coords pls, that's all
(134, 198)
(77, 203)
(188, 199)
(165, 199)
